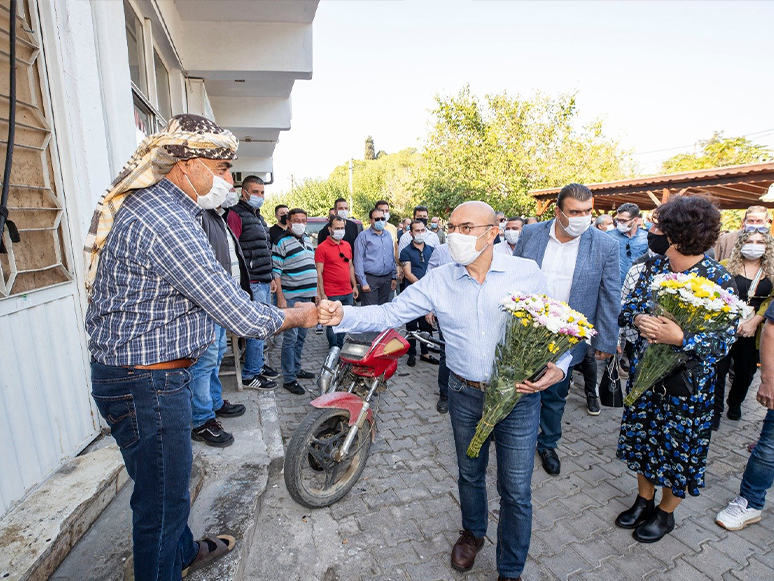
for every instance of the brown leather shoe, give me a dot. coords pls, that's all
(464, 551)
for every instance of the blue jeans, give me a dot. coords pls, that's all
(149, 414)
(337, 339)
(206, 388)
(292, 346)
(514, 439)
(552, 402)
(759, 474)
(254, 347)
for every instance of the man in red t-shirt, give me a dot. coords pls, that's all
(335, 272)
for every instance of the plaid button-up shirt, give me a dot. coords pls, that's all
(159, 287)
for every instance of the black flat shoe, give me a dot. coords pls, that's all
(550, 461)
(412, 361)
(637, 514)
(429, 359)
(734, 413)
(305, 375)
(655, 527)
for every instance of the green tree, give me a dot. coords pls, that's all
(718, 151)
(498, 149)
(370, 152)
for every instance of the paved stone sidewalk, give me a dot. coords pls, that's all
(401, 519)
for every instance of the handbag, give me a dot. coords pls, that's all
(610, 392)
(678, 383)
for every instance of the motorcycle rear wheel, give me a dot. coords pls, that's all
(314, 478)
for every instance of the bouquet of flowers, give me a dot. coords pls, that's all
(697, 305)
(539, 331)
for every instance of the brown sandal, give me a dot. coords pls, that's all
(210, 548)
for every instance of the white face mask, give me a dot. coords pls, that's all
(512, 236)
(343, 214)
(609, 228)
(338, 234)
(298, 229)
(501, 227)
(577, 226)
(462, 247)
(386, 216)
(420, 238)
(624, 228)
(753, 251)
(232, 199)
(217, 194)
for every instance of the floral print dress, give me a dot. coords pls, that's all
(666, 439)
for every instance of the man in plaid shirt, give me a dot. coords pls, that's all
(156, 288)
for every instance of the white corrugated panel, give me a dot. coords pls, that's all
(45, 408)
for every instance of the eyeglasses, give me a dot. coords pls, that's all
(344, 257)
(466, 228)
(382, 219)
(759, 229)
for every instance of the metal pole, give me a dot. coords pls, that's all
(351, 175)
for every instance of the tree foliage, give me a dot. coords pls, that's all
(498, 149)
(718, 151)
(370, 152)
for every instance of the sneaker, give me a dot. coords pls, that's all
(305, 375)
(212, 434)
(592, 405)
(260, 382)
(443, 405)
(736, 515)
(230, 410)
(318, 329)
(269, 372)
(294, 387)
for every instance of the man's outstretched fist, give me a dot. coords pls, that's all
(330, 312)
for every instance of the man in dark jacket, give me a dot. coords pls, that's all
(206, 390)
(351, 228)
(250, 228)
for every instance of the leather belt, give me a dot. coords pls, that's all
(174, 364)
(479, 385)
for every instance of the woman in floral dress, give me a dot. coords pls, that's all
(665, 434)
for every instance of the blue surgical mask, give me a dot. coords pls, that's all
(255, 201)
(379, 225)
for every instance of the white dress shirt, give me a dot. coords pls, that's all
(504, 248)
(559, 265)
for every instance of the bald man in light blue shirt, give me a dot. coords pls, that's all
(466, 301)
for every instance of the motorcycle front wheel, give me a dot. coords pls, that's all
(313, 476)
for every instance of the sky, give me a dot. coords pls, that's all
(661, 75)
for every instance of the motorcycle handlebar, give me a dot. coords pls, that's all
(424, 337)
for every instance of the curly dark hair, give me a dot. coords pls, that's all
(691, 223)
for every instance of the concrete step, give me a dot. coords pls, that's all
(37, 535)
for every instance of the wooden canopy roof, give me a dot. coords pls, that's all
(734, 187)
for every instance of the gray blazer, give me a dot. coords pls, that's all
(596, 282)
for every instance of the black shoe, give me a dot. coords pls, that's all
(260, 382)
(501, 578)
(443, 405)
(230, 410)
(212, 434)
(592, 405)
(655, 527)
(294, 388)
(304, 375)
(551, 462)
(269, 372)
(734, 413)
(412, 361)
(716, 422)
(637, 514)
(429, 359)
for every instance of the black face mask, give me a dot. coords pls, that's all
(283, 219)
(658, 243)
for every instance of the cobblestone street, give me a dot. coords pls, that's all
(402, 518)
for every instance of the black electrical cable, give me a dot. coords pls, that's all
(11, 119)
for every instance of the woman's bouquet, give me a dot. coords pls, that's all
(697, 305)
(539, 331)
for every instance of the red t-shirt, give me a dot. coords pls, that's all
(335, 276)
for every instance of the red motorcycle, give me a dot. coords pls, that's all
(329, 448)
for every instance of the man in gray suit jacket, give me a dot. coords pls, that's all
(581, 267)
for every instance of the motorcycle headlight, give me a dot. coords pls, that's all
(354, 350)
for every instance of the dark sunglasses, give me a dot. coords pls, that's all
(382, 219)
(344, 257)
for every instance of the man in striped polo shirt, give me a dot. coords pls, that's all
(296, 276)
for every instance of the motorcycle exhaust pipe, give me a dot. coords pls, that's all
(328, 370)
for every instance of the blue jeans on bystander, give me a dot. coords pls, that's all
(254, 347)
(337, 339)
(206, 389)
(514, 439)
(759, 474)
(552, 402)
(149, 414)
(293, 346)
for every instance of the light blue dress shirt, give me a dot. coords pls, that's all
(630, 248)
(374, 254)
(468, 312)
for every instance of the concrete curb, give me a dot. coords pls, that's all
(272, 433)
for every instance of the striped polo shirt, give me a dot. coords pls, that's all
(293, 262)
